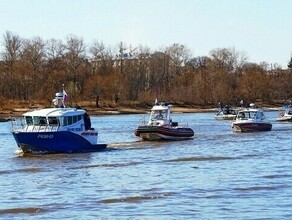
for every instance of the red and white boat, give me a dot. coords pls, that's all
(161, 127)
(250, 120)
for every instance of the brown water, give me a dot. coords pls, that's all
(217, 175)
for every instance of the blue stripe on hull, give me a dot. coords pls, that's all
(54, 142)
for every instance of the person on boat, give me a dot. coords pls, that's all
(87, 121)
(227, 110)
(220, 105)
(159, 116)
(242, 115)
(43, 121)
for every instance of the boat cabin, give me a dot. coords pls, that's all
(250, 114)
(288, 109)
(54, 119)
(160, 114)
(59, 118)
(228, 110)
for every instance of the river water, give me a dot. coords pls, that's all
(217, 175)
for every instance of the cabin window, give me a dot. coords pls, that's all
(53, 120)
(68, 120)
(75, 119)
(43, 120)
(39, 120)
(36, 120)
(65, 123)
(28, 120)
(159, 114)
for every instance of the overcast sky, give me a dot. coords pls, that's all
(260, 28)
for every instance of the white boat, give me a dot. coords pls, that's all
(225, 113)
(285, 114)
(56, 130)
(251, 119)
(161, 127)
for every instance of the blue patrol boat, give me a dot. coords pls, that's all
(56, 130)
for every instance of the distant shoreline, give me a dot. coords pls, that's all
(107, 111)
(6, 115)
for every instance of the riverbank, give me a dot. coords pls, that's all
(13, 108)
(5, 115)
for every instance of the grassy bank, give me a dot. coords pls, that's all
(12, 108)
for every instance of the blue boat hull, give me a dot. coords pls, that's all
(54, 142)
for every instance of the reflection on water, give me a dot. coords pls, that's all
(136, 199)
(217, 175)
(19, 211)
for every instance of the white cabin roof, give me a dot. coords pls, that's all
(55, 112)
(160, 107)
(251, 110)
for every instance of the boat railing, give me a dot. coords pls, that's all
(42, 128)
(19, 125)
(14, 125)
(142, 120)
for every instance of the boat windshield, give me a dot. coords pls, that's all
(159, 115)
(53, 121)
(40, 120)
(28, 120)
(250, 115)
(289, 110)
(228, 110)
(68, 120)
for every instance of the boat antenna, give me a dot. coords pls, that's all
(65, 96)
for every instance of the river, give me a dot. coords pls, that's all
(217, 175)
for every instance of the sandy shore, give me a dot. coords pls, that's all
(8, 114)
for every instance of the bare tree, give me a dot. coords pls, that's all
(75, 57)
(55, 52)
(102, 58)
(179, 56)
(34, 55)
(290, 63)
(12, 49)
(228, 59)
(198, 62)
(11, 55)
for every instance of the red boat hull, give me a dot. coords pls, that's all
(164, 133)
(251, 127)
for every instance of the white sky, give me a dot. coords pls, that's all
(260, 28)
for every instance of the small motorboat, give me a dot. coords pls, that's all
(161, 127)
(226, 113)
(56, 130)
(250, 120)
(285, 114)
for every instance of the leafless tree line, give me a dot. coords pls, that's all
(32, 69)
